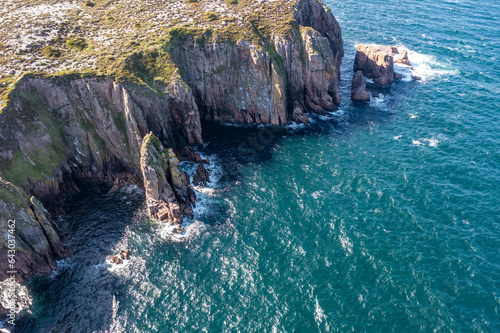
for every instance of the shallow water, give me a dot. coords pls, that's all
(382, 218)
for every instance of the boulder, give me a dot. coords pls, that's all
(403, 59)
(116, 260)
(375, 62)
(201, 177)
(416, 77)
(299, 116)
(358, 88)
(398, 76)
(124, 254)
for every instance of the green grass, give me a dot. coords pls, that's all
(10, 193)
(210, 16)
(51, 52)
(77, 43)
(40, 162)
(148, 141)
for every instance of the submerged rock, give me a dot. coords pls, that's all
(358, 88)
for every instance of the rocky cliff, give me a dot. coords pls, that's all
(132, 116)
(57, 131)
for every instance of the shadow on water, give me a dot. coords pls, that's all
(241, 145)
(79, 298)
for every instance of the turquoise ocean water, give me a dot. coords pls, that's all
(381, 218)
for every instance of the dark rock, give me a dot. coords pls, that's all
(116, 260)
(201, 177)
(299, 116)
(189, 154)
(124, 254)
(398, 76)
(358, 88)
(416, 77)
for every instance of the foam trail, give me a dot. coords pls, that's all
(423, 65)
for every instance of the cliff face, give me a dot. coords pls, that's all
(263, 80)
(37, 244)
(55, 131)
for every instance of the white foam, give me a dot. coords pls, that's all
(432, 142)
(403, 70)
(424, 65)
(344, 240)
(319, 316)
(397, 137)
(317, 194)
(295, 126)
(417, 143)
(111, 266)
(378, 101)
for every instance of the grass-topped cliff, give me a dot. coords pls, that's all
(125, 39)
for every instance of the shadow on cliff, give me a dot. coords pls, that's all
(79, 298)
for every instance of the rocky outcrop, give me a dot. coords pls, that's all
(259, 81)
(25, 221)
(56, 131)
(168, 193)
(124, 254)
(358, 88)
(201, 176)
(375, 62)
(315, 14)
(403, 58)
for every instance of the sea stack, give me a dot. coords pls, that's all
(376, 62)
(358, 88)
(403, 59)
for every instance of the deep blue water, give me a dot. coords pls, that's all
(383, 218)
